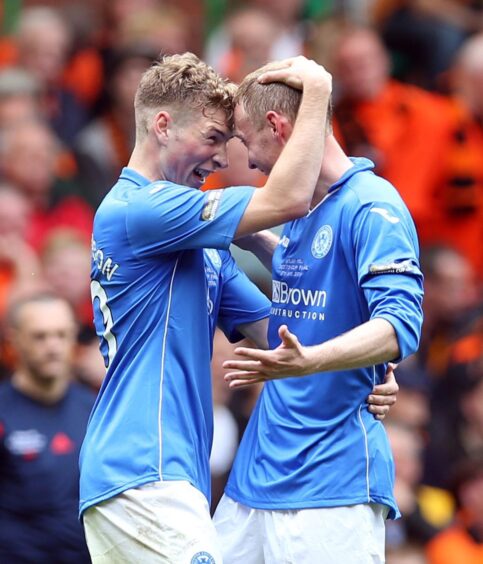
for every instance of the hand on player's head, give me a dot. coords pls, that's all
(297, 72)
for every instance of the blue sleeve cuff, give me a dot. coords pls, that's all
(407, 337)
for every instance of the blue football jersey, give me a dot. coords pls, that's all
(152, 419)
(311, 441)
(233, 299)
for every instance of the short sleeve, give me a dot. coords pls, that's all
(241, 300)
(164, 217)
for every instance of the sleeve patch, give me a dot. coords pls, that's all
(392, 268)
(212, 205)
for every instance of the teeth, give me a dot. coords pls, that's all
(203, 174)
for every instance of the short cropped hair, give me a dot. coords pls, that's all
(182, 82)
(258, 99)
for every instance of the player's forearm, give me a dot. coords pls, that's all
(292, 182)
(372, 343)
(261, 244)
(257, 332)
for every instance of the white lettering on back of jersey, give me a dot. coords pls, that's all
(105, 264)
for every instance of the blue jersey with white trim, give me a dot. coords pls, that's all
(311, 441)
(152, 419)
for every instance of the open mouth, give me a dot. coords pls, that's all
(201, 174)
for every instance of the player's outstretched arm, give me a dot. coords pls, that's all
(256, 331)
(371, 343)
(289, 189)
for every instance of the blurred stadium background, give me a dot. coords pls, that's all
(408, 93)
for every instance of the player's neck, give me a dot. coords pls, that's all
(144, 160)
(321, 190)
(334, 165)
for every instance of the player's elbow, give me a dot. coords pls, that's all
(409, 337)
(406, 330)
(413, 340)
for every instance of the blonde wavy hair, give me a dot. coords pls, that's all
(182, 83)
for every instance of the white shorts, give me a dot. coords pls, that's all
(328, 535)
(165, 522)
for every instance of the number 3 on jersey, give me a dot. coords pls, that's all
(99, 304)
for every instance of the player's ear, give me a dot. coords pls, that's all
(279, 125)
(161, 125)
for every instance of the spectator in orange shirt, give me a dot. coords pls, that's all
(43, 42)
(398, 126)
(82, 72)
(415, 139)
(457, 211)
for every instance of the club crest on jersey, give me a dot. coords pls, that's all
(284, 241)
(202, 558)
(322, 242)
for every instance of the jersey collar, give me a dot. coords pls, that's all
(359, 164)
(134, 177)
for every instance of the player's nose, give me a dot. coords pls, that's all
(221, 159)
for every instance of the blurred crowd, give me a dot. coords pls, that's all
(408, 94)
